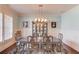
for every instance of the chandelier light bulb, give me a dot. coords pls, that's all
(42, 20)
(35, 19)
(45, 20)
(39, 19)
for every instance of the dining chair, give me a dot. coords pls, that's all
(59, 44)
(33, 45)
(18, 37)
(47, 46)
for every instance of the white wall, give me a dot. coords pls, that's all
(70, 27)
(51, 31)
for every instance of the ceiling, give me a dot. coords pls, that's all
(55, 9)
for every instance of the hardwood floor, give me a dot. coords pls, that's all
(67, 49)
(8, 49)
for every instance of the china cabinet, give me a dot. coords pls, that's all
(39, 29)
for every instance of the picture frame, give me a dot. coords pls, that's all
(53, 24)
(25, 24)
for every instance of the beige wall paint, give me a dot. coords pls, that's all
(5, 9)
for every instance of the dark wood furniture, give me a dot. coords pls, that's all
(39, 29)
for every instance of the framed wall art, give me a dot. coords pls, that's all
(25, 24)
(53, 24)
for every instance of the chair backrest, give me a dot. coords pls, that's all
(34, 38)
(48, 41)
(59, 44)
(45, 38)
(51, 38)
(18, 34)
(29, 38)
(60, 36)
(33, 43)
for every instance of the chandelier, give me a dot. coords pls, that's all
(40, 18)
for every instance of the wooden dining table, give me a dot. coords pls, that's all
(41, 44)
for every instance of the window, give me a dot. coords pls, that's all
(1, 27)
(8, 27)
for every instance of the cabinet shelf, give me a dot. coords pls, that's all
(39, 28)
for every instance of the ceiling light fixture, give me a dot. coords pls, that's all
(40, 18)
